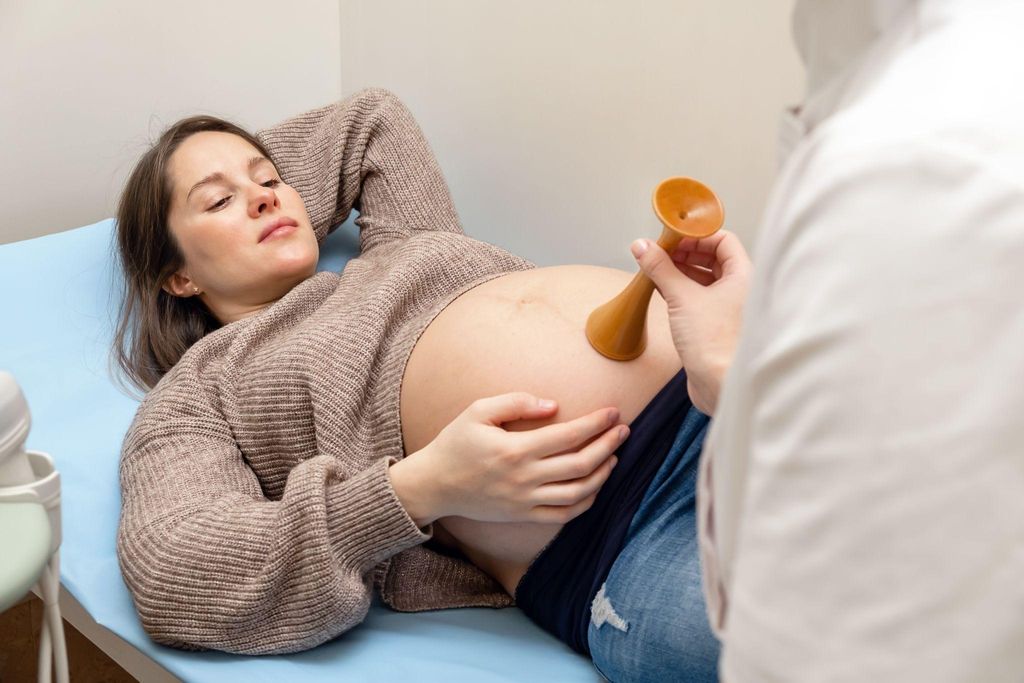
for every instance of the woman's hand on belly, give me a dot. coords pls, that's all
(550, 474)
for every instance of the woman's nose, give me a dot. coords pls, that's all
(260, 199)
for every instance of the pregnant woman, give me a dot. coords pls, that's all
(310, 437)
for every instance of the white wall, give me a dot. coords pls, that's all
(86, 86)
(555, 119)
(552, 119)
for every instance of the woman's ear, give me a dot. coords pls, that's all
(180, 285)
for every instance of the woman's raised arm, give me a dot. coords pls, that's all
(364, 152)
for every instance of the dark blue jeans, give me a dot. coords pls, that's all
(621, 583)
(648, 621)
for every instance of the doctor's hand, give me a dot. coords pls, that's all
(704, 282)
(476, 468)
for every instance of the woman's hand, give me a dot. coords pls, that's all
(543, 475)
(704, 282)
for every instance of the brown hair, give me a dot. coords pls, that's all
(154, 329)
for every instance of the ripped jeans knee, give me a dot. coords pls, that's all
(602, 612)
(634, 639)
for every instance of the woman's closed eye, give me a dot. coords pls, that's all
(274, 182)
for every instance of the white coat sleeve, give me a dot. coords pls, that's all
(882, 527)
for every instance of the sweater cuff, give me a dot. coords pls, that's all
(367, 521)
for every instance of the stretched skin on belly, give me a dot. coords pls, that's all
(524, 331)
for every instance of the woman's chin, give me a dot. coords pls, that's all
(295, 260)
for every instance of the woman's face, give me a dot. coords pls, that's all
(224, 195)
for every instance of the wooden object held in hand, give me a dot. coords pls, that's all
(686, 208)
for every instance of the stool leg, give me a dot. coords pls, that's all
(45, 658)
(52, 646)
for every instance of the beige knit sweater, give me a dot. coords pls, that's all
(257, 512)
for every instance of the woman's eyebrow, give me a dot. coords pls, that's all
(213, 177)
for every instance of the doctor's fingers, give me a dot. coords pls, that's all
(717, 248)
(732, 256)
(700, 275)
(702, 245)
(696, 264)
(693, 258)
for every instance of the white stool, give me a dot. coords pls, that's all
(30, 532)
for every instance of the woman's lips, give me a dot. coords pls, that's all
(276, 226)
(278, 232)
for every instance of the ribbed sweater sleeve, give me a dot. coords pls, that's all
(366, 152)
(212, 563)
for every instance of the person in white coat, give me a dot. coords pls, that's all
(861, 501)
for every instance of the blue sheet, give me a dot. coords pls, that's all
(55, 333)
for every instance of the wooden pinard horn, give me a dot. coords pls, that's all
(686, 208)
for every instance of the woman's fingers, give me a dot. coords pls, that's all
(572, 468)
(556, 514)
(509, 407)
(561, 437)
(570, 492)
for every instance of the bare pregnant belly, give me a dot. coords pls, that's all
(524, 331)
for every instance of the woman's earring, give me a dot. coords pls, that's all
(196, 289)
